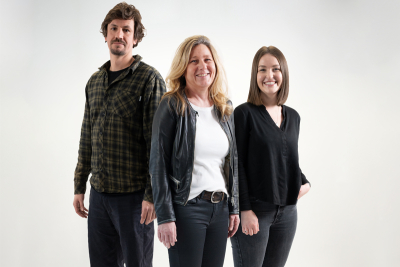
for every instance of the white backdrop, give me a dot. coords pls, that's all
(343, 59)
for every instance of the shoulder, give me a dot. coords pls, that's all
(245, 108)
(96, 78)
(291, 112)
(147, 70)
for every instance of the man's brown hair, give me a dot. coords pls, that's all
(254, 92)
(126, 12)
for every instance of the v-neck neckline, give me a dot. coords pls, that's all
(269, 118)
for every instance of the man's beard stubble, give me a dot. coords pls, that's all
(118, 52)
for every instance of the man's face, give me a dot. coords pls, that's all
(119, 38)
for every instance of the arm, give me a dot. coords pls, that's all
(155, 89)
(242, 137)
(305, 184)
(83, 167)
(162, 140)
(163, 135)
(250, 224)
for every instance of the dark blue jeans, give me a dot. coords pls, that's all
(270, 247)
(115, 233)
(202, 233)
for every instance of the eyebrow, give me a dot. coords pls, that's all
(272, 66)
(126, 26)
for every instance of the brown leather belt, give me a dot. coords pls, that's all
(214, 197)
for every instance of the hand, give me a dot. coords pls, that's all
(304, 190)
(233, 224)
(249, 223)
(80, 206)
(167, 234)
(148, 212)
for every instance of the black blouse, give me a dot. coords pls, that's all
(268, 156)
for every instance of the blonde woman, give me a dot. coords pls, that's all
(193, 160)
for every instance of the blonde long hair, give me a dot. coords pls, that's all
(176, 82)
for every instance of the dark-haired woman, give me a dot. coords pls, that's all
(270, 179)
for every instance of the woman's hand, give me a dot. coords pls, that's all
(167, 234)
(304, 190)
(233, 224)
(249, 223)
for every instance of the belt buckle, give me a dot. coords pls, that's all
(212, 197)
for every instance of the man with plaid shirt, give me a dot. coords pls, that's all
(121, 99)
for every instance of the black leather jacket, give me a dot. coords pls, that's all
(172, 157)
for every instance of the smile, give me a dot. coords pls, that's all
(270, 83)
(202, 75)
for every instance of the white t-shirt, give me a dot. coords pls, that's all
(211, 148)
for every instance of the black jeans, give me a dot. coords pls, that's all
(202, 231)
(270, 247)
(115, 233)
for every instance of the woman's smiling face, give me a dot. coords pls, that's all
(269, 75)
(200, 72)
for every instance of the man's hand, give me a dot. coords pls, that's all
(233, 224)
(249, 222)
(79, 206)
(148, 212)
(167, 234)
(304, 190)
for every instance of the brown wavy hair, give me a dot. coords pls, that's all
(176, 82)
(126, 12)
(254, 92)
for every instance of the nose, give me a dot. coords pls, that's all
(120, 33)
(269, 74)
(203, 65)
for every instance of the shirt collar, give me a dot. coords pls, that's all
(133, 66)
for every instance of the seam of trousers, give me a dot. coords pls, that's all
(240, 250)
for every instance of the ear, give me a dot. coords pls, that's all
(134, 41)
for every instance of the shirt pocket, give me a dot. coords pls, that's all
(125, 103)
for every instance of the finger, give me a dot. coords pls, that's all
(159, 235)
(172, 240)
(143, 215)
(250, 232)
(148, 217)
(235, 227)
(244, 231)
(81, 205)
(231, 220)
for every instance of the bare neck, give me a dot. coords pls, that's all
(199, 98)
(269, 101)
(120, 62)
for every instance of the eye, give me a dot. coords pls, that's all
(193, 61)
(113, 28)
(277, 69)
(126, 30)
(261, 70)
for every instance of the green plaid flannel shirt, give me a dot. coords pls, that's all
(116, 130)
